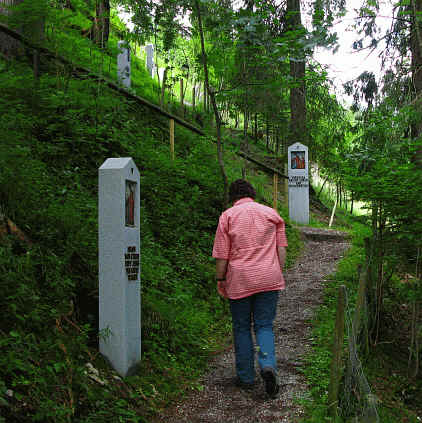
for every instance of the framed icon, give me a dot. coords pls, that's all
(297, 160)
(130, 203)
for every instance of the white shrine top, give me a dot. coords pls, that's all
(116, 163)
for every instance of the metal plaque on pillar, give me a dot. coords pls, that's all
(298, 172)
(119, 264)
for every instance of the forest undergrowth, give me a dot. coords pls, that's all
(56, 130)
(53, 142)
(385, 365)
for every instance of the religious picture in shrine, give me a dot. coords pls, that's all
(298, 160)
(130, 203)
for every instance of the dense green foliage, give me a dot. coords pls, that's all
(384, 365)
(57, 130)
(53, 143)
(379, 163)
(49, 188)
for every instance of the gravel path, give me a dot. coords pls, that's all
(220, 401)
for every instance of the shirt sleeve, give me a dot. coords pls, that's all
(221, 248)
(281, 239)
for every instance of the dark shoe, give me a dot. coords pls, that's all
(243, 385)
(270, 380)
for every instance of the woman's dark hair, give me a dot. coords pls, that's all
(241, 189)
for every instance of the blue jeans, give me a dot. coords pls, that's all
(261, 308)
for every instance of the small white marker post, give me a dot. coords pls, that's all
(123, 64)
(149, 49)
(298, 183)
(119, 264)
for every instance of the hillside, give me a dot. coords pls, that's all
(63, 113)
(53, 142)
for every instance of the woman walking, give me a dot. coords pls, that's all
(250, 252)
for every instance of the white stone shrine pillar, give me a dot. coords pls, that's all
(298, 183)
(161, 74)
(149, 49)
(123, 64)
(119, 264)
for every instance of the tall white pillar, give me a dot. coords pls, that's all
(119, 264)
(298, 172)
(123, 64)
(149, 49)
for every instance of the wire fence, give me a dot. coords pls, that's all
(356, 401)
(357, 404)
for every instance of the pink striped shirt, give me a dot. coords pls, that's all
(248, 235)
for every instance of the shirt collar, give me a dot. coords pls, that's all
(243, 200)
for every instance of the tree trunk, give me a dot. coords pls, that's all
(322, 187)
(416, 131)
(204, 96)
(163, 86)
(101, 27)
(182, 95)
(416, 49)
(245, 127)
(414, 350)
(256, 128)
(340, 192)
(297, 72)
(214, 106)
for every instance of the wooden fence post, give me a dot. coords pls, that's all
(275, 190)
(336, 363)
(359, 302)
(332, 213)
(182, 97)
(172, 138)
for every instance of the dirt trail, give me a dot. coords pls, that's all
(220, 401)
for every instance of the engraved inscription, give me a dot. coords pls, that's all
(132, 263)
(298, 181)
